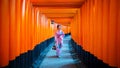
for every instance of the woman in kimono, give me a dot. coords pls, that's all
(59, 34)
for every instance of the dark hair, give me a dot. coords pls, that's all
(58, 26)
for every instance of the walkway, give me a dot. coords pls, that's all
(65, 61)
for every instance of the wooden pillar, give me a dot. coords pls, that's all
(79, 27)
(27, 26)
(105, 30)
(84, 27)
(94, 20)
(91, 26)
(13, 36)
(4, 32)
(32, 31)
(99, 29)
(30, 26)
(112, 53)
(87, 25)
(82, 18)
(95, 28)
(35, 25)
(18, 20)
(118, 34)
(22, 28)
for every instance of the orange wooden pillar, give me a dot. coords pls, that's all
(79, 27)
(22, 28)
(72, 29)
(92, 25)
(51, 29)
(75, 29)
(93, 20)
(33, 28)
(4, 32)
(27, 26)
(112, 53)
(42, 27)
(47, 29)
(13, 35)
(50, 25)
(44, 32)
(45, 25)
(83, 19)
(30, 27)
(105, 30)
(91, 28)
(35, 25)
(99, 28)
(95, 29)
(18, 20)
(76, 36)
(118, 35)
(85, 27)
(39, 28)
(88, 25)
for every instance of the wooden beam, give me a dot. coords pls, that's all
(58, 5)
(59, 15)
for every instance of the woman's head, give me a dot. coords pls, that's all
(59, 27)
